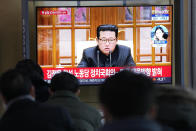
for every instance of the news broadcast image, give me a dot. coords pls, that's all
(63, 33)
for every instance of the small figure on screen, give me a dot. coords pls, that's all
(160, 34)
(107, 53)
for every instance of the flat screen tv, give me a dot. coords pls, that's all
(63, 33)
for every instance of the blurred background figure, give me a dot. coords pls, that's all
(127, 101)
(23, 113)
(2, 108)
(176, 108)
(33, 70)
(66, 91)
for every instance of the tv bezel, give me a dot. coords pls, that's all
(29, 40)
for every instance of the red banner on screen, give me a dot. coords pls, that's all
(104, 72)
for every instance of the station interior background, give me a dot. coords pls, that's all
(11, 48)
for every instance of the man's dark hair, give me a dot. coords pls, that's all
(176, 107)
(13, 84)
(64, 81)
(107, 28)
(127, 94)
(30, 68)
(33, 70)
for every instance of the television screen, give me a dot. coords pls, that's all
(94, 43)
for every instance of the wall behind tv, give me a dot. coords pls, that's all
(193, 41)
(11, 34)
(11, 44)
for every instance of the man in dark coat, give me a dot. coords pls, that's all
(127, 100)
(107, 53)
(23, 113)
(176, 108)
(66, 90)
(34, 72)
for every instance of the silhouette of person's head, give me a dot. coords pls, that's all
(126, 94)
(176, 108)
(14, 84)
(33, 70)
(64, 81)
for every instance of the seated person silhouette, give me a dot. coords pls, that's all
(23, 113)
(33, 70)
(127, 101)
(176, 108)
(65, 87)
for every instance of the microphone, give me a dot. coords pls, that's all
(97, 58)
(110, 55)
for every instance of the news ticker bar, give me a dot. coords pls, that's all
(104, 72)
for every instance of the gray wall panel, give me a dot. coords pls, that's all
(194, 41)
